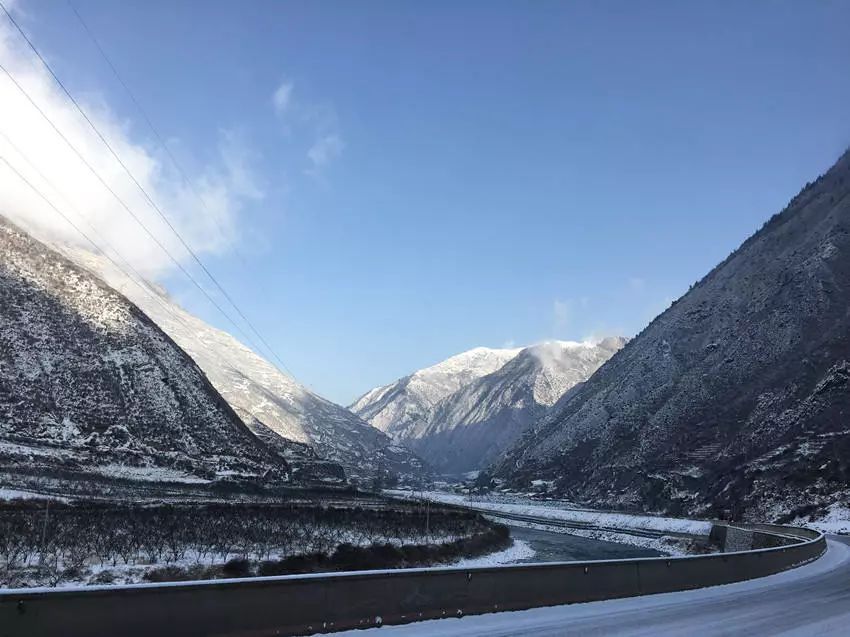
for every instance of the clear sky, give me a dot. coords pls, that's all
(420, 178)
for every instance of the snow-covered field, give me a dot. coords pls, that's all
(608, 520)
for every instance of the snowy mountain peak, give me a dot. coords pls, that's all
(396, 408)
(440, 380)
(464, 410)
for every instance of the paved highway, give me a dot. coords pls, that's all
(810, 600)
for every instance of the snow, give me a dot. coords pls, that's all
(149, 474)
(400, 407)
(836, 520)
(519, 550)
(592, 518)
(19, 494)
(715, 610)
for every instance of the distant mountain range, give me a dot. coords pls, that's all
(461, 413)
(733, 402)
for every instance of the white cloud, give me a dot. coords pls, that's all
(318, 119)
(324, 150)
(225, 184)
(282, 97)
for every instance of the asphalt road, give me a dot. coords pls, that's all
(810, 600)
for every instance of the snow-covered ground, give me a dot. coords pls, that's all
(20, 494)
(519, 550)
(836, 520)
(558, 512)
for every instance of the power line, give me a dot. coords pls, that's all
(124, 205)
(78, 229)
(147, 197)
(147, 119)
(139, 279)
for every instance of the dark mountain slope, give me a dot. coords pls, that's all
(91, 388)
(733, 401)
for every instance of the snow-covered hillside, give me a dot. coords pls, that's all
(732, 403)
(93, 392)
(464, 424)
(315, 435)
(401, 408)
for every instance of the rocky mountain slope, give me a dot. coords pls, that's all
(465, 429)
(469, 428)
(320, 439)
(735, 401)
(401, 409)
(93, 392)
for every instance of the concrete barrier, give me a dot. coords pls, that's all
(305, 604)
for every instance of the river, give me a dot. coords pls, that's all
(562, 547)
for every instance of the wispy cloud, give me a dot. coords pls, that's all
(324, 150)
(225, 183)
(281, 97)
(317, 121)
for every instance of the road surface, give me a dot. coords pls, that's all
(810, 600)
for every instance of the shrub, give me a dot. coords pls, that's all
(237, 567)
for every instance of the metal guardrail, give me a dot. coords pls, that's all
(305, 604)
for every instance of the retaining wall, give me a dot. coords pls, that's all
(304, 604)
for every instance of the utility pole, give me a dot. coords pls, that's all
(44, 530)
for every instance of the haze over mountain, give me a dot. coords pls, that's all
(92, 391)
(735, 400)
(461, 413)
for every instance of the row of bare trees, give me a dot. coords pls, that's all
(62, 537)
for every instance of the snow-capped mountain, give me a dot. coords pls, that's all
(401, 409)
(734, 401)
(464, 429)
(318, 437)
(93, 392)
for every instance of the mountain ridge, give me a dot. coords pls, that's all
(711, 409)
(321, 440)
(91, 390)
(467, 427)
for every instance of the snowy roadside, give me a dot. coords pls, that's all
(836, 520)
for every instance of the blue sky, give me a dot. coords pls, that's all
(438, 176)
